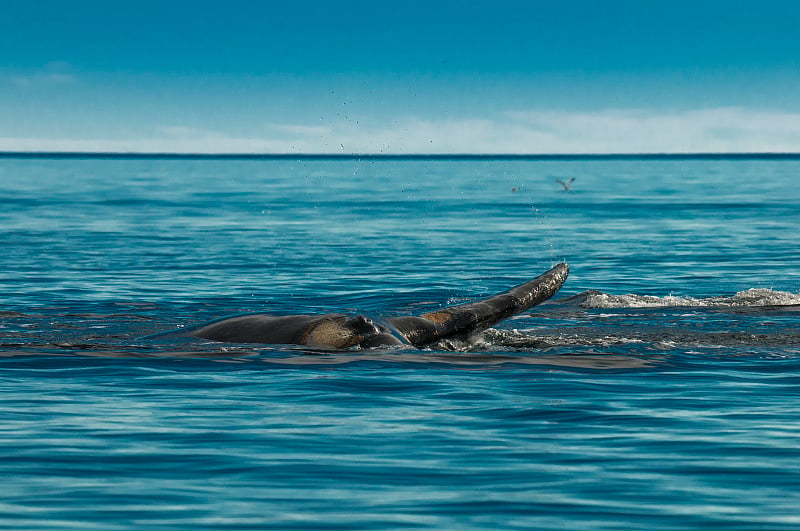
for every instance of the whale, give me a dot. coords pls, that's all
(339, 331)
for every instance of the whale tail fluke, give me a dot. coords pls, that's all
(477, 316)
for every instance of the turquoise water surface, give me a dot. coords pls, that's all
(659, 389)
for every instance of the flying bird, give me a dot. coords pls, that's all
(567, 184)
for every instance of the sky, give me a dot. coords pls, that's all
(235, 76)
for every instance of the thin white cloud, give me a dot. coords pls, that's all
(294, 130)
(607, 131)
(638, 131)
(53, 73)
(211, 143)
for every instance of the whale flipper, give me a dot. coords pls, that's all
(339, 331)
(473, 317)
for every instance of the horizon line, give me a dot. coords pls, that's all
(120, 155)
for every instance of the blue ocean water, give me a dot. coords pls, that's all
(659, 389)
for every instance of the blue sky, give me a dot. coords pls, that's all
(441, 77)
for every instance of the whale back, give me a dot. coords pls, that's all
(473, 317)
(333, 330)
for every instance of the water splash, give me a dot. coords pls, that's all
(753, 297)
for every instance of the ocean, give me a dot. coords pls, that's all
(659, 389)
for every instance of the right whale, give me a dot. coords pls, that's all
(337, 331)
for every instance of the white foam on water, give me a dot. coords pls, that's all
(753, 297)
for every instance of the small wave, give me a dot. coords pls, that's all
(634, 341)
(753, 297)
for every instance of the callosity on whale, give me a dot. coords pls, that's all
(340, 331)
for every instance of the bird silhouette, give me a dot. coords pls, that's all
(567, 184)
